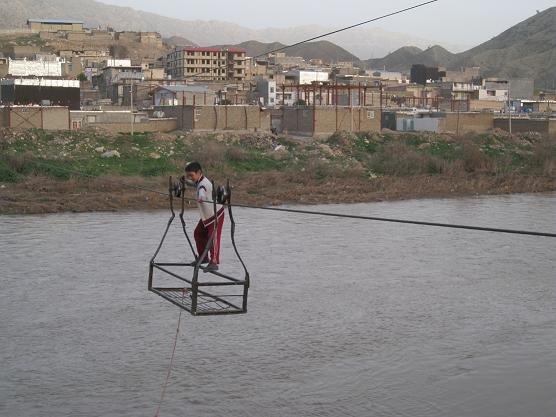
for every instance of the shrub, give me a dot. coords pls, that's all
(7, 174)
(209, 154)
(397, 158)
(473, 159)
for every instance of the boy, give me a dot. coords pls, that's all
(207, 224)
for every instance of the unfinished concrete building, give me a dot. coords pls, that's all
(218, 64)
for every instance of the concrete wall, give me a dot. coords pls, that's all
(297, 120)
(4, 117)
(120, 121)
(543, 126)
(25, 118)
(151, 125)
(467, 122)
(218, 117)
(552, 128)
(352, 119)
(480, 105)
(522, 88)
(230, 118)
(412, 124)
(35, 117)
(56, 118)
(164, 97)
(77, 36)
(329, 119)
(180, 113)
(55, 27)
(119, 116)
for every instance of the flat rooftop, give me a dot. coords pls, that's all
(55, 21)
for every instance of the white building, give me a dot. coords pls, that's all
(494, 90)
(287, 98)
(39, 68)
(386, 75)
(117, 63)
(309, 76)
(177, 95)
(266, 93)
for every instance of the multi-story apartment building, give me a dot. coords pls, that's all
(216, 64)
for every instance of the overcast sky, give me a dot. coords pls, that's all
(463, 22)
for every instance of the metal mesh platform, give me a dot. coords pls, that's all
(215, 293)
(206, 304)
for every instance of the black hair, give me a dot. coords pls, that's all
(193, 167)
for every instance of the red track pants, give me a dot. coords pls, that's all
(202, 234)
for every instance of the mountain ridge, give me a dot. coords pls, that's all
(525, 50)
(363, 42)
(325, 50)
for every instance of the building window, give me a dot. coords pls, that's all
(370, 114)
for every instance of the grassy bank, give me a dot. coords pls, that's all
(36, 167)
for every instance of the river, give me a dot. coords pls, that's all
(346, 317)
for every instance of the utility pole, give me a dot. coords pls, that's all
(380, 86)
(457, 123)
(131, 102)
(509, 108)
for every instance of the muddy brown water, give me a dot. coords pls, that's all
(346, 318)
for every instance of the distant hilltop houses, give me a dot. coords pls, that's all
(74, 30)
(55, 25)
(99, 74)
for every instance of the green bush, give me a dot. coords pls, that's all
(256, 162)
(399, 159)
(7, 174)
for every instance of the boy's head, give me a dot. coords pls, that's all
(193, 171)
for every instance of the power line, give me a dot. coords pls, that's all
(319, 213)
(390, 220)
(346, 28)
(318, 37)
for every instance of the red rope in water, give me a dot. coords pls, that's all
(169, 371)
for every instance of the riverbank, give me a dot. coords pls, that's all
(38, 169)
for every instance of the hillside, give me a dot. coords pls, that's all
(526, 50)
(364, 41)
(436, 56)
(324, 50)
(404, 58)
(174, 41)
(397, 60)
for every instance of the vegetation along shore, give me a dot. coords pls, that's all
(36, 167)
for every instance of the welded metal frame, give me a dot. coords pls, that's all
(196, 297)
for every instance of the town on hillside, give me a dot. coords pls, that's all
(59, 74)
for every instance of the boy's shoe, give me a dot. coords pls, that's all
(211, 267)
